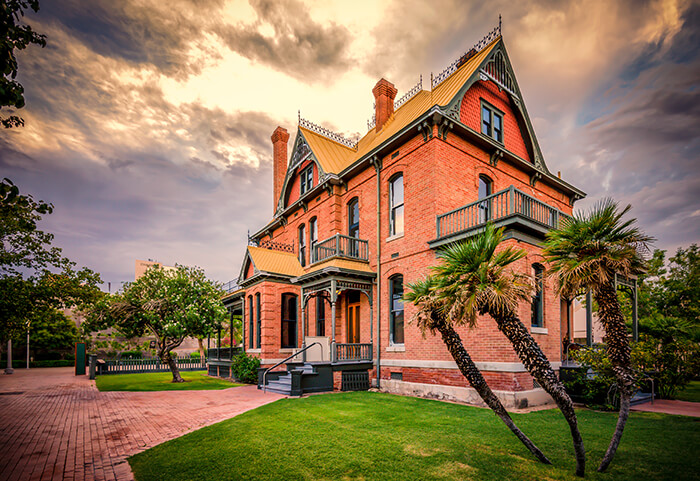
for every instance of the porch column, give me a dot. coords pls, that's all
(334, 298)
(371, 320)
(218, 344)
(589, 318)
(303, 324)
(8, 369)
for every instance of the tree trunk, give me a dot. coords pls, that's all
(167, 358)
(618, 348)
(538, 366)
(201, 347)
(477, 381)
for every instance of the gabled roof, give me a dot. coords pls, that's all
(335, 157)
(273, 262)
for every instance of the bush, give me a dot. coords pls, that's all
(132, 355)
(245, 368)
(196, 355)
(594, 385)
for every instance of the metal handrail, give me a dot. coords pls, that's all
(285, 360)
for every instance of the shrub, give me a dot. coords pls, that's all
(245, 368)
(132, 355)
(196, 355)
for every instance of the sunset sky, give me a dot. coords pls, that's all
(148, 123)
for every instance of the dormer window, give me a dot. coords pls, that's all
(491, 122)
(307, 179)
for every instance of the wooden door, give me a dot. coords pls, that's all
(353, 322)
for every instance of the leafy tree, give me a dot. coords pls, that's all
(586, 253)
(432, 316)
(170, 305)
(473, 279)
(50, 330)
(14, 36)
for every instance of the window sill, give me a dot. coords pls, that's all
(394, 237)
(539, 330)
(255, 351)
(396, 348)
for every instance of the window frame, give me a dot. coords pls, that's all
(493, 113)
(302, 244)
(393, 312)
(306, 178)
(485, 206)
(393, 207)
(355, 201)
(537, 304)
(313, 238)
(251, 325)
(258, 322)
(320, 320)
(291, 323)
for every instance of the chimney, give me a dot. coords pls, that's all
(279, 160)
(384, 93)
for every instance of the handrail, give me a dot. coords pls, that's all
(285, 360)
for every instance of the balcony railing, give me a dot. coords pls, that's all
(353, 352)
(506, 203)
(341, 246)
(230, 286)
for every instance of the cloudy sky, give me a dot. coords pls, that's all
(148, 123)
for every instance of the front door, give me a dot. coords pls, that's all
(353, 322)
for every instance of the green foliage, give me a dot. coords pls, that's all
(16, 36)
(245, 368)
(161, 381)
(132, 355)
(595, 384)
(168, 304)
(49, 330)
(197, 355)
(34, 276)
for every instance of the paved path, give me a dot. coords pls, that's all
(667, 406)
(55, 425)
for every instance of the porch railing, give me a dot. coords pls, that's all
(223, 353)
(341, 246)
(352, 352)
(506, 203)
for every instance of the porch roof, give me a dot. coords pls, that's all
(275, 262)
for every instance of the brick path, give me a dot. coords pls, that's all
(55, 425)
(670, 406)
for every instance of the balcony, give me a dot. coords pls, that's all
(509, 207)
(340, 246)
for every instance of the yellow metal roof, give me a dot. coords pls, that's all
(275, 262)
(343, 264)
(335, 157)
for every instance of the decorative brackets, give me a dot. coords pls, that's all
(535, 177)
(426, 129)
(377, 162)
(573, 199)
(496, 155)
(445, 126)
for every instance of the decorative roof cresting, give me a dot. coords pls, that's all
(326, 133)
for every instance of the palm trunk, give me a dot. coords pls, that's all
(538, 366)
(167, 358)
(477, 381)
(618, 348)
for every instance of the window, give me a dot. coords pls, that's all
(250, 322)
(313, 233)
(538, 298)
(307, 179)
(354, 226)
(491, 122)
(485, 190)
(396, 205)
(289, 320)
(302, 245)
(396, 310)
(258, 321)
(320, 316)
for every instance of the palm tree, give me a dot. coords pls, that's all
(473, 279)
(586, 253)
(430, 316)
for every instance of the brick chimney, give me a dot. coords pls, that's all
(279, 162)
(384, 93)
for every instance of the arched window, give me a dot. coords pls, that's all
(313, 234)
(538, 297)
(396, 310)
(306, 179)
(302, 245)
(396, 219)
(354, 226)
(250, 323)
(258, 321)
(485, 190)
(289, 320)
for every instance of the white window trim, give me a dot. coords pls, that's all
(396, 348)
(539, 330)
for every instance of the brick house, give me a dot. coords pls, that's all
(354, 222)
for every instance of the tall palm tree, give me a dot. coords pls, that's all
(474, 279)
(586, 253)
(430, 316)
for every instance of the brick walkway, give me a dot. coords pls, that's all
(669, 406)
(55, 425)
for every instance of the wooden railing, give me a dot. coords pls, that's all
(353, 352)
(341, 246)
(507, 202)
(149, 364)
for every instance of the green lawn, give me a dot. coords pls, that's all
(161, 381)
(690, 393)
(373, 436)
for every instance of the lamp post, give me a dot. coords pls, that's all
(27, 346)
(8, 369)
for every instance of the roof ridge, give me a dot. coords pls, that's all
(327, 133)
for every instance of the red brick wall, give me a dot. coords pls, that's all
(294, 185)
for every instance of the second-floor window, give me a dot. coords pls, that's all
(396, 205)
(302, 245)
(491, 122)
(538, 298)
(313, 234)
(485, 190)
(307, 179)
(353, 226)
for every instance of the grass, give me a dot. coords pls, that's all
(690, 393)
(373, 436)
(161, 381)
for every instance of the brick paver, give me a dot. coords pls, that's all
(670, 406)
(55, 425)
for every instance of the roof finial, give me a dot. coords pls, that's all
(499, 25)
(298, 116)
